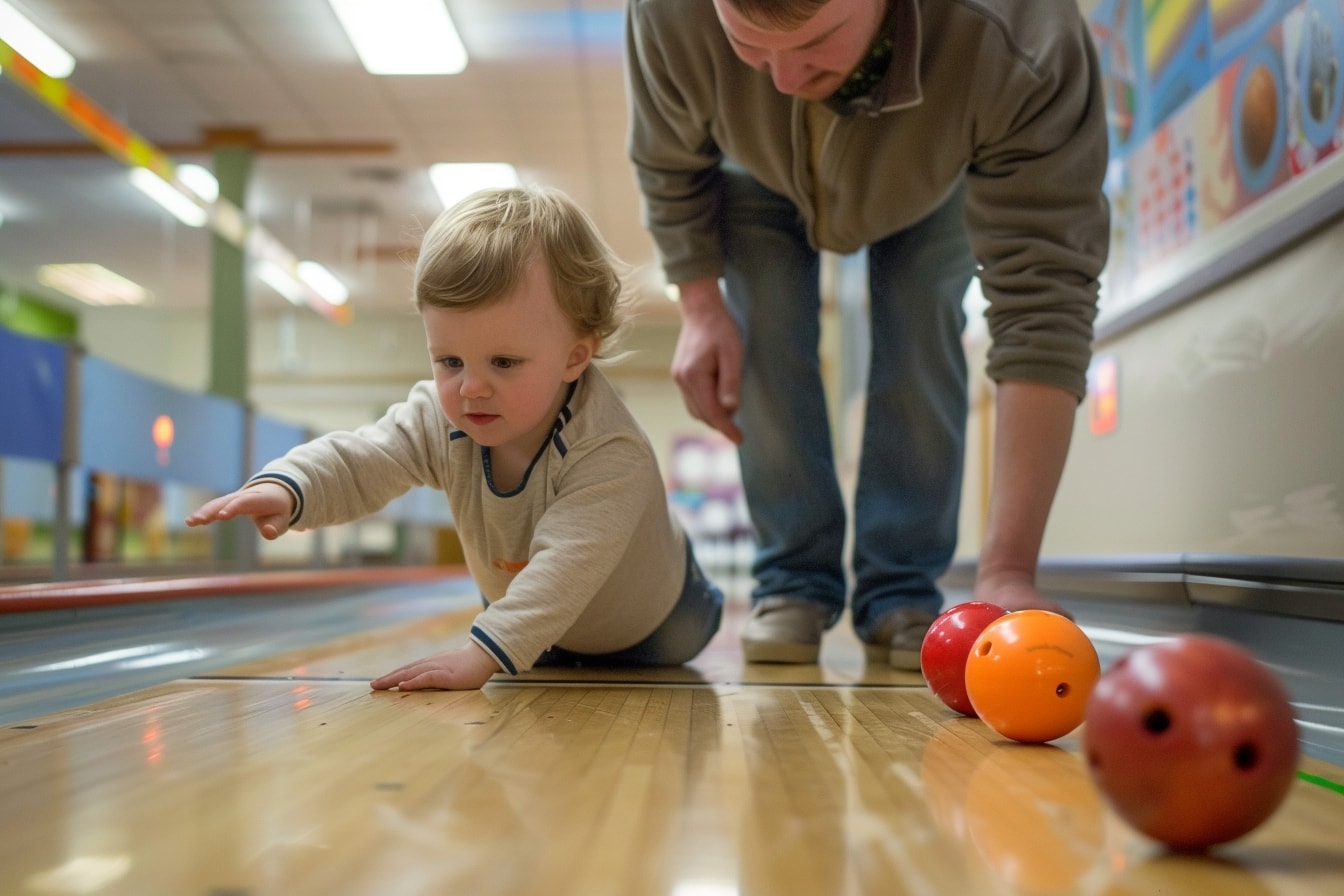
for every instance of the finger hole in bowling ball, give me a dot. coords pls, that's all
(1156, 721)
(1246, 757)
(1062, 689)
(986, 648)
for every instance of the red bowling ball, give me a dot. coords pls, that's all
(1192, 741)
(942, 656)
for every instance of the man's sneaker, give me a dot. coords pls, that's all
(898, 639)
(781, 630)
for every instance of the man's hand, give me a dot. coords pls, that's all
(464, 669)
(707, 365)
(269, 505)
(1015, 594)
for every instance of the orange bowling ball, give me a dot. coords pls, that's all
(1029, 675)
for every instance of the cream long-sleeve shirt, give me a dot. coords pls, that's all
(585, 554)
(1006, 93)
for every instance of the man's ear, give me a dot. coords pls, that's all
(581, 355)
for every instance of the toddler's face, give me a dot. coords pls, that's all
(502, 370)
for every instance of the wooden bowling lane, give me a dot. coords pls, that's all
(247, 788)
(368, 654)
(67, 643)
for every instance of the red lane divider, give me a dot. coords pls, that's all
(110, 592)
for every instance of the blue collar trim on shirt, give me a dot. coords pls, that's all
(561, 419)
(564, 417)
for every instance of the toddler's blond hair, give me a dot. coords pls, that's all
(478, 250)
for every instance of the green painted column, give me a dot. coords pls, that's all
(233, 152)
(235, 543)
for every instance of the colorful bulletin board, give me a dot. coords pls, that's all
(1225, 121)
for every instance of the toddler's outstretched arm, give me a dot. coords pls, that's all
(268, 504)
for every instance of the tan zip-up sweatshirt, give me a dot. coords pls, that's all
(1005, 92)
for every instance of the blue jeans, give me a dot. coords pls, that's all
(910, 468)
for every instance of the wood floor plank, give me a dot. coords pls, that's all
(251, 788)
(365, 655)
(289, 776)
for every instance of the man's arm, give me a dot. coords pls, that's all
(670, 91)
(1033, 426)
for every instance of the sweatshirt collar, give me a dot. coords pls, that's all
(869, 89)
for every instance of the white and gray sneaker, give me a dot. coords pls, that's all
(783, 630)
(898, 638)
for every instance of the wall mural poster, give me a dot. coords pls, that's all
(1116, 32)
(1176, 40)
(1220, 113)
(1237, 25)
(1315, 47)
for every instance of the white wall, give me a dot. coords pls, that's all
(1231, 424)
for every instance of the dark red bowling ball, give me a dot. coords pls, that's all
(1191, 740)
(942, 656)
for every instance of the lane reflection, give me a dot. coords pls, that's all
(1026, 815)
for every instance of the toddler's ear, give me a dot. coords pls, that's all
(581, 355)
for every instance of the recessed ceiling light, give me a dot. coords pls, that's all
(323, 282)
(33, 44)
(457, 180)
(402, 37)
(281, 281)
(183, 207)
(200, 180)
(92, 284)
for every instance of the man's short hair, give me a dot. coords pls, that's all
(784, 15)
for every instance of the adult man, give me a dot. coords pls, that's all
(938, 135)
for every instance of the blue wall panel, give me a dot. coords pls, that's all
(271, 438)
(32, 400)
(118, 417)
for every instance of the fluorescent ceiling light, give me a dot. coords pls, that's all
(323, 282)
(199, 180)
(183, 207)
(33, 44)
(457, 180)
(402, 37)
(92, 284)
(281, 281)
